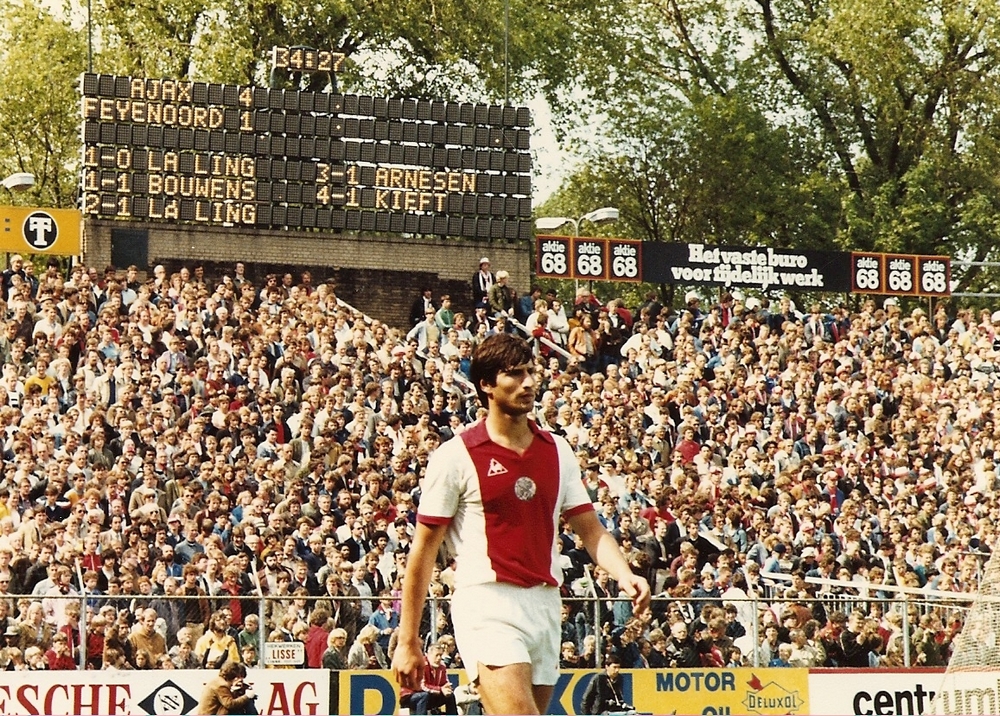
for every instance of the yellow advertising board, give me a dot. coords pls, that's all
(35, 230)
(721, 691)
(652, 691)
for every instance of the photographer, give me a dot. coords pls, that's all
(604, 692)
(228, 693)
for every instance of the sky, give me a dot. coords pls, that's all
(552, 162)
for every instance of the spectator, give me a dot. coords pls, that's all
(217, 646)
(501, 296)
(422, 304)
(467, 699)
(435, 691)
(583, 343)
(482, 282)
(60, 656)
(317, 638)
(146, 638)
(680, 651)
(335, 656)
(366, 653)
(781, 660)
(385, 619)
(859, 640)
(182, 654)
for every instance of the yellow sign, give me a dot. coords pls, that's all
(34, 230)
(673, 691)
(721, 691)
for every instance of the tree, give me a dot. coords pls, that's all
(893, 104)
(710, 171)
(450, 49)
(39, 109)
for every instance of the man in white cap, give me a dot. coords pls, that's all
(482, 282)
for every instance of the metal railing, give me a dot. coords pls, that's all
(592, 616)
(541, 339)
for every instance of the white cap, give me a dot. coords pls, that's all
(752, 303)
(691, 296)
(483, 260)
(890, 302)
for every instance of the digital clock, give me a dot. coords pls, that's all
(306, 59)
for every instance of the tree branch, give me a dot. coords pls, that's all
(817, 105)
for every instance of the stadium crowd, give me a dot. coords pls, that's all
(175, 436)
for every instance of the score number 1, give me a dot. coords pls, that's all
(336, 175)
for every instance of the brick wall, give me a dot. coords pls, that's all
(377, 274)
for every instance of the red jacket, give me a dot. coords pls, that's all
(434, 679)
(316, 642)
(59, 663)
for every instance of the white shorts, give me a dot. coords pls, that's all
(497, 624)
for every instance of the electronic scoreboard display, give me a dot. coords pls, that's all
(231, 155)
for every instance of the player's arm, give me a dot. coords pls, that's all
(604, 551)
(408, 658)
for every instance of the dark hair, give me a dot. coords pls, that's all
(232, 670)
(499, 352)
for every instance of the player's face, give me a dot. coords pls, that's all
(514, 392)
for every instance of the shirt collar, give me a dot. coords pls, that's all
(477, 434)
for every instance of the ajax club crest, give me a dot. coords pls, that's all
(525, 488)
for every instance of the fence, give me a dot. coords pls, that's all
(591, 616)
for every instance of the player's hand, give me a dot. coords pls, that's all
(638, 589)
(408, 664)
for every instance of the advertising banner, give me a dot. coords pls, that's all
(552, 257)
(677, 691)
(976, 691)
(876, 692)
(590, 259)
(124, 693)
(900, 274)
(750, 267)
(625, 262)
(722, 691)
(39, 230)
(761, 268)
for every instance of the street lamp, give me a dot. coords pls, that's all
(19, 181)
(604, 215)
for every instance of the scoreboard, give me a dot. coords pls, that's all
(239, 155)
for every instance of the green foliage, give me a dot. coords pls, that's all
(418, 48)
(713, 170)
(850, 123)
(40, 64)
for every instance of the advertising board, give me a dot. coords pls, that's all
(127, 693)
